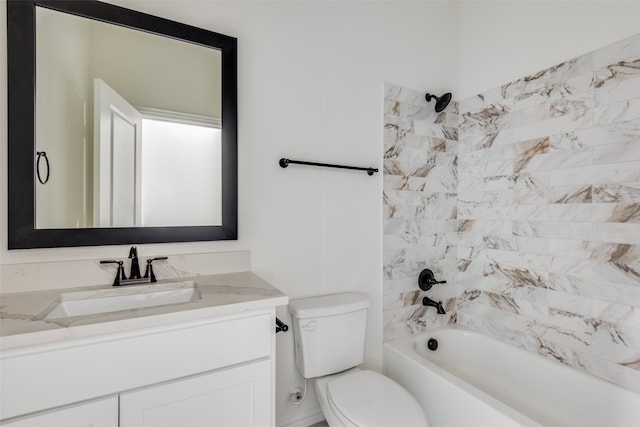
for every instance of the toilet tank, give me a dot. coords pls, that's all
(329, 332)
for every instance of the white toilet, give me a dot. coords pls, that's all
(329, 334)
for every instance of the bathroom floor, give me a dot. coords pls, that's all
(320, 424)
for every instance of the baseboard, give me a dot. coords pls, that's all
(305, 421)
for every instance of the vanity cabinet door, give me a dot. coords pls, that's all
(233, 397)
(100, 413)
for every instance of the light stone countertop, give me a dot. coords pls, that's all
(22, 323)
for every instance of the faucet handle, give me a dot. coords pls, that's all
(119, 274)
(426, 280)
(148, 274)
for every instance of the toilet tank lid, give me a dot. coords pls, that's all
(328, 305)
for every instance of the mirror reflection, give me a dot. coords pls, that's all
(131, 126)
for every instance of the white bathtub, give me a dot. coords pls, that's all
(472, 380)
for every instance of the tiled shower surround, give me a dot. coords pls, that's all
(420, 204)
(538, 220)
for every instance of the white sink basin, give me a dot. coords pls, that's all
(119, 299)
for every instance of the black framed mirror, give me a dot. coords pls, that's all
(41, 111)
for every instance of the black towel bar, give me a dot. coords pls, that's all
(285, 162)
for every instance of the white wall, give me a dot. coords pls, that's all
(311, 87)
(501, 41)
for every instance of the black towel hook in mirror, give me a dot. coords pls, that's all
(40, 155)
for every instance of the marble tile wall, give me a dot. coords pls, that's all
(548, 213)
(420, 204)
(526, 199)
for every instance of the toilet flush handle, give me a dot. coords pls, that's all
(310, 326)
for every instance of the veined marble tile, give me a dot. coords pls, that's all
(628, 131)
(625, 213)
(616, 153)
(620, 88)
(498, 182)
(575, 306)
(574, 89)
(627, 336)
(620, 253)
(437, 226)
(485, 211)
(471, 104)
(427, 127)
(550, 229)
(616, 272)
(619, 374)
(597, 174)
(412, 141)
(419, 169)
(613, 192)
(532, 245)
(617, 313)
(517, 276)
(560, 106)
(488, 115)
(613, 291)
(403, 94)
(398, 286)
(579, 249)
(411, 162)
(619, 354)
(396, 140)
(452, 118)
(530, 83)
(572, 284)
(498, 168)
(403, 183)
(441, 178)
(563, 345)
(617, 232)
(553, 126)
(623, 50)
(571, 267)
(553, 160)
(529, 212)
(467, 184)
(618, 112)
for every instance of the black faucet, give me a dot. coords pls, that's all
(426, 301)
(426, 280)
(134, 278)
(135, 267)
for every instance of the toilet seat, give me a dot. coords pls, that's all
(369, 399)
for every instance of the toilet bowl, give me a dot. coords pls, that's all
(362, 398)
(329, 335)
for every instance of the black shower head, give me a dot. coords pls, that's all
(441, 101)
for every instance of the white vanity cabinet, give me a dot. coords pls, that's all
(237, 397)
(100, 413)
(211, 371)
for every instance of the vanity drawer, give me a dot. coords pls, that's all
(41, 377)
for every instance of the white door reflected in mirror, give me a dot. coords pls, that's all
(116, 167)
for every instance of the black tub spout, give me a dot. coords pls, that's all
(426, 301)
